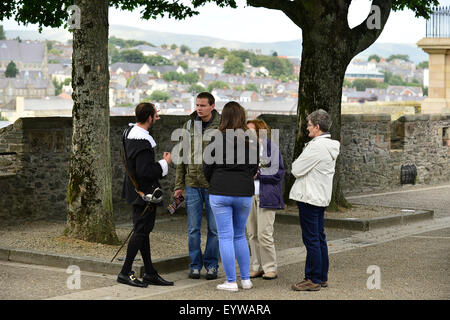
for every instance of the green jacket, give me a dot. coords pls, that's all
(191, 175)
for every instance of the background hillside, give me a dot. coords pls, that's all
(283, 48)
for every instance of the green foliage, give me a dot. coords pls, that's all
(396, 80)
(209, 51)
(374, 57)
(196, 88)
(183, 64)
(132, 56)
(362, 84)
(347, 83)
(404, 57)
(217, 85)
(185, 49)
(222, 53)
(173, 46)
(122, 43)
(421, 8)
(11, 70)
(58, 87)
(251, 87)
(190, 78)
(277, 67)
(233, 65)
(157, 61)
(2, 33)
(136, 56)
(49, 44)
(159, 96)
(55, 51)
(423, 65)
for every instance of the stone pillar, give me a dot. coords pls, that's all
(438, 100)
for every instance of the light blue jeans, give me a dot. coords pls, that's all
(231, 215)
(195, 198)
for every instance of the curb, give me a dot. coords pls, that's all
(364, 224)
(163, 265)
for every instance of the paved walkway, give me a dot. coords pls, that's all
(413, 262)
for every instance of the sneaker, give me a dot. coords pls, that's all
(194, 274)
(246, 284)
(324, 284)
(211, 274)
(228, 286)
(306, 285)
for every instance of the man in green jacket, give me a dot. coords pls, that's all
(190, 176)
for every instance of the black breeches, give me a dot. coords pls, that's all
(140, 240)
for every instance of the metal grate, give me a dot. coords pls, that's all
(408, 174)
(438, 26)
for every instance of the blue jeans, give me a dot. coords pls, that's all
(312, 224)
(231, 215)
(195, 198)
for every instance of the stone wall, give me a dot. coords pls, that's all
(373, 149)
(34, 157)
(34, 186)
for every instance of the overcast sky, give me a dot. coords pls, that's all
(250, 24)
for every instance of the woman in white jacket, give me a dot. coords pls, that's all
(314, 170)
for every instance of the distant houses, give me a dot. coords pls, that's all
(363, 71)
(129, 69)
(27, 55)
(45, 72)
(391, 93)
(27, 87)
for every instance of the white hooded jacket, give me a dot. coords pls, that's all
(314, 171)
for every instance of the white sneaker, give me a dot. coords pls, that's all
(228, 286)
(246, 284)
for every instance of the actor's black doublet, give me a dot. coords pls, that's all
(141, 164)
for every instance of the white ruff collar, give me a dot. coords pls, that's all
(137, 133)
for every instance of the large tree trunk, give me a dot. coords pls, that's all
(328, 47)
(89, 194)
(323, 66)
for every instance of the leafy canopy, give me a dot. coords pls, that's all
(53, 13)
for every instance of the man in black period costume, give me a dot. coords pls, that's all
(141, 190)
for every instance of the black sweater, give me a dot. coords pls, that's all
(235, 176)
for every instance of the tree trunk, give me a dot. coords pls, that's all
(328, 47)
(324, 61)
(89, 194)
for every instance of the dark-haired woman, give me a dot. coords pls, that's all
(230, 176)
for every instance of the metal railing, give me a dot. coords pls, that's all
(438, 26)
